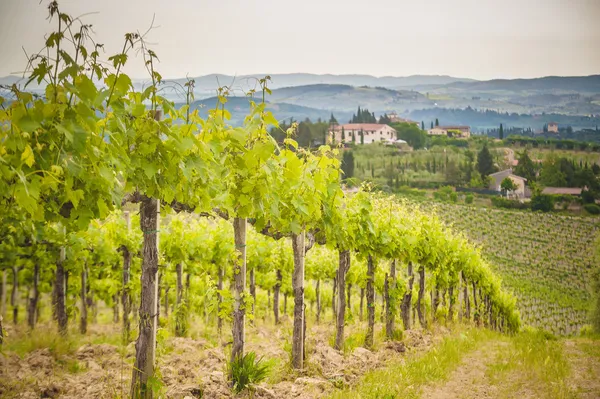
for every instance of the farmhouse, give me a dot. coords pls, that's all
(552, 127)
(496, 181)
(453, 131)
(370, 132)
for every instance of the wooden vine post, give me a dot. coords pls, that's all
(298, 288)
(125, 298)
(370, 302)
(239, 273)
(145, 346)
(344, 266)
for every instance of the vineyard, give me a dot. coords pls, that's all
(545, 259)
(115, 202)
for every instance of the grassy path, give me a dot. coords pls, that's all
(470, 379)
(584, 358)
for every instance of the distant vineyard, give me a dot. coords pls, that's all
(545, 259)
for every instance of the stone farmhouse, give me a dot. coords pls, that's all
(453, 131)
(371, 132)
(520, 182)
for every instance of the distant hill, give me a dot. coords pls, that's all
(207, 85)
(239, 107)
(549, 84)
(344, 98)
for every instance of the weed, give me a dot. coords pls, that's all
(246, 371)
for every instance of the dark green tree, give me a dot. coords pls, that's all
(437, 123)
(501, 132)
(422, 125)
(332, 120)
(432, 124)
(343, 135)
(348, 164)
(410, 133)
(526, 167)
(551, 174)
(362, 136)
(485, 162)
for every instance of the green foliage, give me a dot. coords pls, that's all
(542, 202)
(551, 174)
(508, 185)
(469, 198)
(246, 371)
(444, 193)
(348, 164)
(363, 116)
(501, 202)
(592, 209)
(485, 162)
(410, 133)
(526, 167)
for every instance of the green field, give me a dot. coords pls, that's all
(545, 259)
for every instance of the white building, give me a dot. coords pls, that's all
(371, 133)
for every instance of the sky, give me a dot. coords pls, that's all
(480, 39)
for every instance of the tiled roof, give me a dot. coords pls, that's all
(359, 126)
(562, 190)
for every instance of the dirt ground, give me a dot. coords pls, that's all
(193, 368)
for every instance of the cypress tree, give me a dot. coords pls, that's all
(437, 123)
(485, 162)
(422, 125)
(501, 132)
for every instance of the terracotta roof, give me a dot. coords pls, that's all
(359, 126)
(562, 190)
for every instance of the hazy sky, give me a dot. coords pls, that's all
(480, 39)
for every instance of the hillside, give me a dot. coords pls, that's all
(239, 107)
(346, 98)
(548, 84)
(544, 259)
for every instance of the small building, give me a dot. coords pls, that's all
(394, 118)
(562, 191)
(451, 131)
(371, 133)
(552, 127)
(496, 182)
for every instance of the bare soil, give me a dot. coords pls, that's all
(191, 368)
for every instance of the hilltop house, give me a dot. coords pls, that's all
(394, 118)
(451, 131)
(552, 127)
(496, 181)
(371, 132)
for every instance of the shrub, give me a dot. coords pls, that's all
(592, 209)
(542, 202)
(469, 199)
(444, 193)
(501, 202)
(453, 197)
(246, 371)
